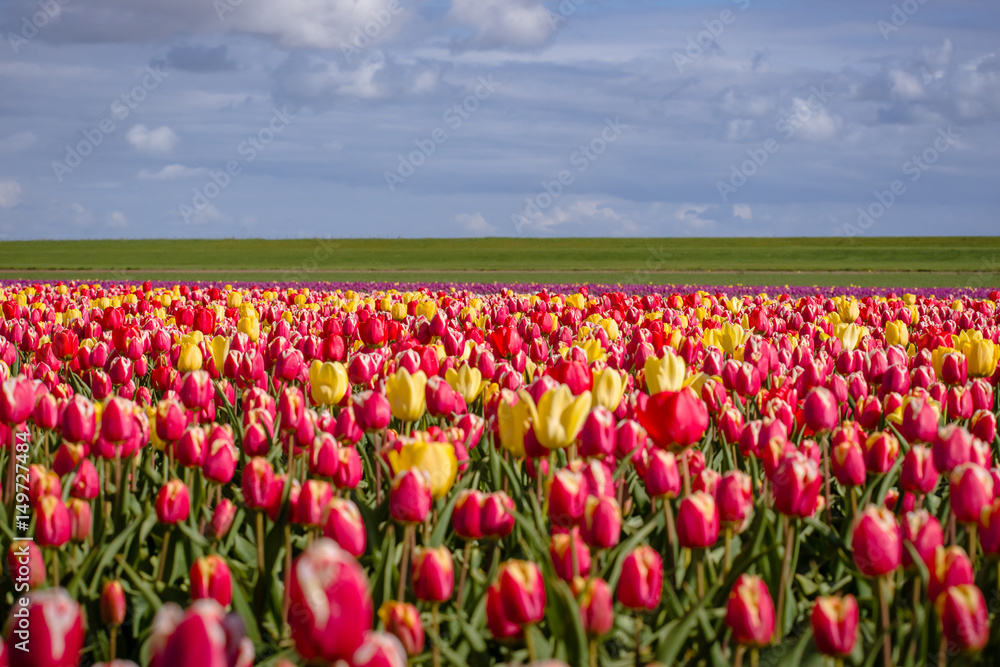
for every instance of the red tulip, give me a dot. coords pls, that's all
(26, 564)
(949, 567)
(641, 583)
(596, 607)
(191, 448)
(971, 491)
(222, 518)
(258, 483)
(989, 528)
(602, 522)
(697, 521)
(734, 499)
(80, 519)
(497, 520)
(403, 620)
(52, 527)
(202, 635)
(921, 529)
(466, 518)
(345, 526)
(79, 420)
(173, 503)
(750, 612)
(598, 435)
(433, 573)
(112, 603)
(561, 552)
(380, 649)
(310, 506)
(835, 625)
(847, 462)
(662, 478)
(567, 498)
(117, 421)
(876, 543)
(964, 618)
(820, 410)
(501, 627)
(51, 625)
(522, 592)
(197, 390)
(675, 419)
(410, 496)
(17, 400)
(170, 420)
(881, 451)
(372, 411)
(984, 425)
(210, 578)
(797, 483)
(918, 474)
(331, 605)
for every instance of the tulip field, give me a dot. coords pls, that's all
(319, 474)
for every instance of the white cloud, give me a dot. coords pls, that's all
(81, 216)
(690, 216)
(742, 211)
(500, 23)
(116, 219)
(813, 124)
(17, 142)
(172, 172)
(905, 86)
(586, 212)
(10, 194)
(160, 140)
(475, 223)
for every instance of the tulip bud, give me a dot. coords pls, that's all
(310, 506)
(734, 499)
(820, 410)
(750, 612)
(410, 496)
(596, 607)
(210, 578)
(197, 390)
(662, 477)
(598, 436)
(330, 596)
(117, 421)
(222, 518)
(952, 447)
(918, 474)
(433, 574)
(372, 411)
(191, 448)
(52, 527)
(497, 519)
(835, 625)
(80, 519)
(797, 484)
(602, 522)
(921, 529)
(881, 451)
(697, 521)
(641, 582)
(675, 419)
(971, 491)
(561, 551)
(220, 455)
(258, 483)
(403, 620)
(466, 518)
(964, 618)
(567, 498)
(79, 420)
(989, 528)
(876, 543)
(522, 592)
(847, 462)
(173, 503)
(345, 526)
(984, 425)
(26, 564)
(112, 603)
(949, 567)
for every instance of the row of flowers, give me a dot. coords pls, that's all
(251, 475)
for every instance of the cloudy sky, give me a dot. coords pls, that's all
(291, 118)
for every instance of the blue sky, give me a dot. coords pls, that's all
(258, 118)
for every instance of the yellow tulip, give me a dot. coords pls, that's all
(982, 357)
(559, 416)
(436, 459)
(427, 308)
(250, 326)
(849, 334)
(398, 311)
(514, 420)
(594, 350)
(219, 347)
(896, 333)
(608, 388)
(406, 394)
(466, 380)
(733, 336)
(327, 382)
(234, 299)
(848, 310)
(665, 374)
(190, 358)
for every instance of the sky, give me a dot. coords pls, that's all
(441, 118)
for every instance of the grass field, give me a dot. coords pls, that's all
(886, 262)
